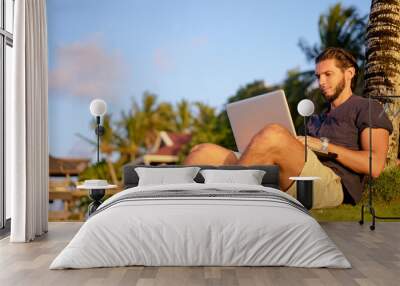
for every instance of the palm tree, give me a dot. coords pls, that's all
(137, 129)
(184, 117)
(129, 136)
(340, 27)
(382, 75)
(206, 127)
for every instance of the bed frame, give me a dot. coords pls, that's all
(270, 179)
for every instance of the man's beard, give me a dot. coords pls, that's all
(338, 90)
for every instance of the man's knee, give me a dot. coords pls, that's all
(272, 135)
(210, 154)
(204, 147)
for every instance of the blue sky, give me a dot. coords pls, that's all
(197, 50)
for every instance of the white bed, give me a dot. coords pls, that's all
(183, 230)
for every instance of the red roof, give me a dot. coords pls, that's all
(178, 139)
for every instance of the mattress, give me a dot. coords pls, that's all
(201, 225)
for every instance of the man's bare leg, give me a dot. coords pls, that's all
(275, 145)
(210, 154)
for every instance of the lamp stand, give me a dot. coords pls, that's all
(99, 132)
(96, 195)
(305, 138)
(370, 205)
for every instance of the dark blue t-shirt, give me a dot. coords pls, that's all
(343, 126)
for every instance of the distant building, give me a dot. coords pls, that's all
(165, 149)
(63, 173)
(65, 167)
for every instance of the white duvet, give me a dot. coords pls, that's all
(200, 231)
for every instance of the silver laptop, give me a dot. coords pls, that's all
(249, 116)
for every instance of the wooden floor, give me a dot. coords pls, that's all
(375, 257)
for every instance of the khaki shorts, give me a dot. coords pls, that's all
(328, 191)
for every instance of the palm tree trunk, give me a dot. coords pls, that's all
(112, 172)
(382, 70)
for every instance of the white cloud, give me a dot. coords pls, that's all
(86, 69)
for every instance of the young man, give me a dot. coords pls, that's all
(346, 126)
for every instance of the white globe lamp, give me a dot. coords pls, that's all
(98, 108)
(305, 108)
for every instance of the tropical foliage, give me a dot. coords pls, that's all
(340, 27)
(386, 187)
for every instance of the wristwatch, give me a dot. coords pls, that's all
(325, 143)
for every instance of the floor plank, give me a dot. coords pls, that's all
(374, 255)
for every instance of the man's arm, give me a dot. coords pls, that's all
(358, 161)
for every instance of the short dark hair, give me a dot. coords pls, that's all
(343, 58)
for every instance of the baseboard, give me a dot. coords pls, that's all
(5, 231)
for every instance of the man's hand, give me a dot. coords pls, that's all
(312, 142)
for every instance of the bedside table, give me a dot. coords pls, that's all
(97, 190)
(304, 190)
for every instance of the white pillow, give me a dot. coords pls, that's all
(162, 176)
(249, 177)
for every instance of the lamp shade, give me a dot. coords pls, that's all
(305, 107)
(98, 107)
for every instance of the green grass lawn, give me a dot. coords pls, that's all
(352, 213)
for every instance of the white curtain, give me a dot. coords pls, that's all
(26, 123)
